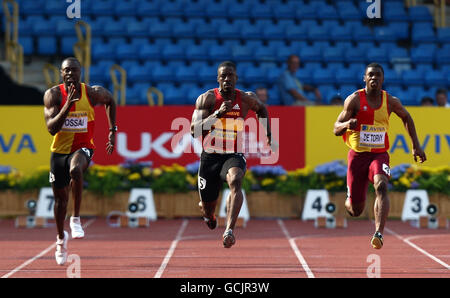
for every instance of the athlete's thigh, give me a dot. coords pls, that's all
(59, 176)
(209, 181)
(81, 158)
(357, 181)
(234, 166)
(379, 168)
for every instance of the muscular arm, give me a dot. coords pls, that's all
(54, 116)
(203, 117)
(100, 95)
(396, 107)
(254, 104)
(346, 118)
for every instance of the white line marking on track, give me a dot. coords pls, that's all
(406, 240)
(296, 249)
(42, 253)
(171, 249)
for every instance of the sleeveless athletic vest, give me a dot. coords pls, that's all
(370, 135)
(78, 128)
(225, 136)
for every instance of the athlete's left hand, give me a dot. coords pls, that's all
(419, 153)
(111, 142)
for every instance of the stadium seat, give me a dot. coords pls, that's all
(377, 55)
(137, 29)
(27, 44)
(171, 9)
(262, 11)
(443, 35)
(54, 8)
(347, 89)
(139, 73)
(148, 9)
(67, 44)
(103, 51)
(423, 32)
(435, 78)
(412, 77)
(443, 55)
(296, 32)
(323, 76)
(173, 52)
(362, 33)
(195, 10)
(264, 53)
(333, 54)
(43, 28)
(346, 76)
(104, 7)
(241, 53)
(398, 54)
(254, 75)
(420, 13)
(327, 12)
(217, 9)
(186, 74)
(239, 10)
(273, 32)
(173, 96)
(47, 45)
(423, 53)
(196, 53)
(285, 11)
(384, 33)
(392, 77)
(149, 51)
(341, 33)
(395, 11)
(219, 53)
(251, 32)
(162, 74)
(161, 29)
(28, 8)
(304, 12)
(318, 33)
(125, 8)
(207, 74)
(126, 51)
(311, 54)
(348, 11)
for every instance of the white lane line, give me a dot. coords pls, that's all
(406, 240)
(296, 249)
(42, 253)
(171, 249)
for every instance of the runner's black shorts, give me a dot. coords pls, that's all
(60, 166)
(213, 171)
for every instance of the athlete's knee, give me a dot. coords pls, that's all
(381, 187)
(354, 210)
(234, 180)
(76, 173)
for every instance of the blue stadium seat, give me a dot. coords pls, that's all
(285, 11)
(171, 9)
(254, 75)
(348, 11)
(395, 11)
(183, 30)
(384, 33)
(228, 31)
(311, 54)
(137, 29)
(161, 29)
(419, 13)
(67, 44)
(251, 32)
(273, 32)
(412, 77)
(43, 28)
(347, 89)
(104, 7)
(219, 53)
(162, 74)
(136, 95)
(377, 55)
(346, 76)
(217, 9)
(400, 29)
(318, 33)
(306, 12)
(264, 53)
(363, 33)
(138, 73)
(103, 51)
(196, 52)
(125, 8)
(323, 76)
(241, 53)
(207, 74)
(355, 55)
(173, 52)
(27, 44)
(47, 45)
(333, 54)
(273, 74)
(65, 28)
(424, 53)
(54, 7)
(149, 51)
(148, 9)
(126, 51)
(186, 74)
(392, 77)
(435, 78)
(423, 32)
(341, 33)
(443, 35)
(262, 11)
(397, 54)
(327, 12)
(443, 55)
(413, 95)
(31, 7)
(296, 32)
(305, 75)
(195, 9)
(239, 10)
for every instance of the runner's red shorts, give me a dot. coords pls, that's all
(362, 167)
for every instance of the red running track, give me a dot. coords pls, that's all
(186, 248)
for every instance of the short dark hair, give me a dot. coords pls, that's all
(227, 64)
(374, 64)
(441, 91)
(73, 59)
(427, 99)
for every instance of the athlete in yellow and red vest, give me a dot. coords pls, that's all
(69, 116)
(364, 124)
(218, 118)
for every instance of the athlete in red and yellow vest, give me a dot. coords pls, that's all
(225, 135)
(364, 123)
(78, 128)
(371, 133)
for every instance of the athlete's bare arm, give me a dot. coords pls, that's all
(203, 117)
(346, 118)
(251, 100)
(100, 95)
(396, 106)
(54, 116)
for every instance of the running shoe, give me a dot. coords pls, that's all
(75, 227)
(211, 222)
(61, 249)
(228, 239)
(377, 240)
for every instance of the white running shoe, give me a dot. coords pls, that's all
(61, 249)
(75, 227)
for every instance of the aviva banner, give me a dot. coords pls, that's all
(24, 139)
(432, 126)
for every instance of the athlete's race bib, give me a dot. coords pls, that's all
(372, 136)
(76, 122)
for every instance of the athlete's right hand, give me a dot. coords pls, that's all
(225, 107)
(71, 94)
(352, 123)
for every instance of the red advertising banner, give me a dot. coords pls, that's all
(162, 135)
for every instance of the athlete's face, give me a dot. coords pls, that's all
(226, 77)
(374, 78)
(70, 72)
